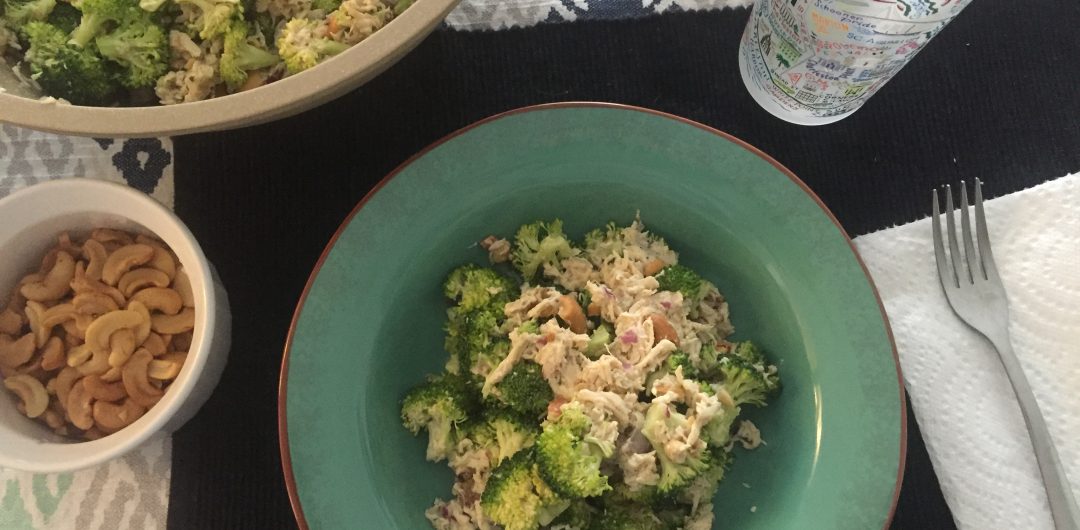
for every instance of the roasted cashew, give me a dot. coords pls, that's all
(55, 284)
(103, 391)
(78, 355)
(160, 299)
(167, 367)
(652, 267)
(662, 329)
(11, 321)
(35, 313)
(94, 303)
(111, 417)
(570, 312)
(86, 285)
(112, 375)
(32, 393)
(108, 235)
(97, 364)
(53, 419)
(61, 385)
(73, 336)
(173, 324)
(163, 259)
(137, 382)
(181, 341)
(102, 328)
(80, 406)
(182, 284)
(124, 259)
(141, 278)
(52, 355)
(96, 255)
(56, 315)
(16, 352)
(82, 322)
(121, 346)
(154, 344)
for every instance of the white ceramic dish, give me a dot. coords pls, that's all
(30, 221)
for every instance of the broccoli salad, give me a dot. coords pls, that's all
(588, 386)
(141, 52)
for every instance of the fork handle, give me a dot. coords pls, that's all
(1058, 490)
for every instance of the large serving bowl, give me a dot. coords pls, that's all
(279, 99)
(369, 325)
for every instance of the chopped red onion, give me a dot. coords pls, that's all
(629, 337)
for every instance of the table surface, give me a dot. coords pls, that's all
(994, 96)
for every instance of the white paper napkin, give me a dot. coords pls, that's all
(965, 407)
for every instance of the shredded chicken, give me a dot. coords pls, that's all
(196, 72)
(356, 20)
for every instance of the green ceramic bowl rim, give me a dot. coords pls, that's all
(283, 428)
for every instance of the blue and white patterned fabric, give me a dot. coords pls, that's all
(503, 14)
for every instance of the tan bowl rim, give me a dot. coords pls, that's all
(276, 100)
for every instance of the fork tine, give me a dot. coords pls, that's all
(950, 225)
(944, 272)
(985, 254)
(972, 260)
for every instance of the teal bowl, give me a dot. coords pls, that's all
(368, 326)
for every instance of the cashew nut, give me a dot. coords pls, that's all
(94, 303)
(652, 267)
(124, 259)
(79, 406)
(154, 344)
(570, 312)
(143, 329)
(103, 391)
(108, 235)
(137, 382)
(11, 322)
(112, 375)
(121, 346)
(110, 417)
(63, 382)
(32, 393)
(86, 285)
(96, 255)
(78, 355)
(56, 315)
(593, 309)
(73, 336)
(160, 299)
(173, 324)
(52, 356)
(167, 367)
(97, 364)
(181, 341)
(141, 278)
(55, 284)
(16, 352)
(53, 419)
(182, 284)
(662, 329)
(162, 260)
(93, 433)
(103, 327)
(35, 313)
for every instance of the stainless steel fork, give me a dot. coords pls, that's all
(976, 294)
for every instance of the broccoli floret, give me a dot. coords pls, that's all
(681, 359)
(141, 47)
(598, 341)
(661, 423)
(567, 459)
(215, 17)
(718, 431)
(64, 71)
(65, 17)
(524, 390)
(579, 516)
(602, 243)
(538, 244)
(704, 486)
(303, 44)
(517, 498)
(98, 15)
(679, 278)
(19, 12)
(439, 405)
(529, 326)
(504, 433)
(627, 516)
(240, 56)
(747, 383)
(475, 337)
(401, 5)
(472, 287)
